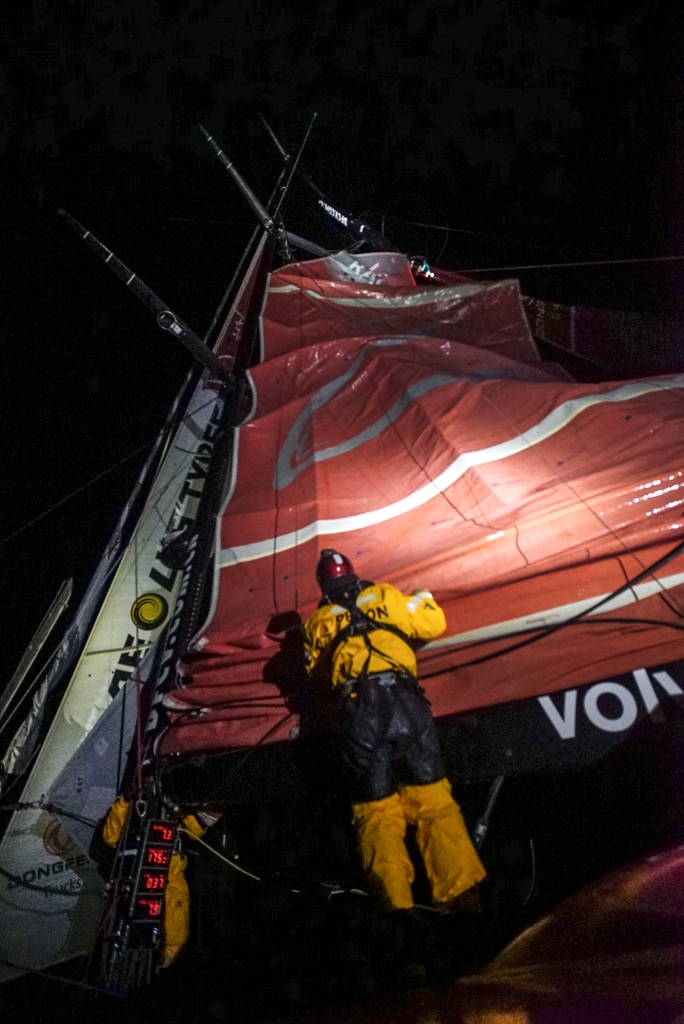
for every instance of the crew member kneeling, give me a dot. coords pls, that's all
(359, 640)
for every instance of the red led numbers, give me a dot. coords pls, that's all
(161, 833)
(152, 881)
(157, 856)
(148, 907)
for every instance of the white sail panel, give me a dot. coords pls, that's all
(38, 928)
(50, 893)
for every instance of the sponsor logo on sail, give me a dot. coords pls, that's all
(598, 713)
(33, 875)
(335, 214)
(162, 573)
(149, 611)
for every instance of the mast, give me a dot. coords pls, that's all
(128, 941)
(267, 221)
(135, 588)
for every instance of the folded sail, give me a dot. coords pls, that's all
(415, 429)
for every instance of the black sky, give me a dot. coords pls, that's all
(557, 123)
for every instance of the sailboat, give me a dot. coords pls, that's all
(360, 400)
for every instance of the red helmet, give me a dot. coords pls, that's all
(332, 565)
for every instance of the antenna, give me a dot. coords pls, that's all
(278, 145)
(294, 165)
(262, 216)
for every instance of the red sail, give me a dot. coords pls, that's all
(416, 430)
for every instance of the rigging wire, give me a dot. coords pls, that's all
(578, 263)
(79, 490)
(294, 166)
(185, 220)
(495, 238)
(50, 976)
(400, 199)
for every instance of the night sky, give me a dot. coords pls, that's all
(539, 131)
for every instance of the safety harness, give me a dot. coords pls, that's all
(361, 625)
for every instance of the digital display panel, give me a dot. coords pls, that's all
(152, 881)
(149, 907)
(157, 856)
(160, 832)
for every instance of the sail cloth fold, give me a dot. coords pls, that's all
(416, 429)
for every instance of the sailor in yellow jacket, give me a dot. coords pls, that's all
(359, 640)
(177, 895)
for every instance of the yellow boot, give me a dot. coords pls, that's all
(451, 861)
(381, 827)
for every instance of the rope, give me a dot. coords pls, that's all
(225, 860)
(578, 263)
(548, 631)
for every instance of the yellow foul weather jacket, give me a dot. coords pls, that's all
(418, 616)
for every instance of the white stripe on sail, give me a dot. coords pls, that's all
(549, 425)
(555, 616)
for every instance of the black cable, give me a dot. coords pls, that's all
(629, 585)
(50, 977)
(579, 622)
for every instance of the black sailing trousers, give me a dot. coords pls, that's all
(388, 737)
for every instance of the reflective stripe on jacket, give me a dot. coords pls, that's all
(419, 616)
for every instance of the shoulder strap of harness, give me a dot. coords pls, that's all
(361, 625)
